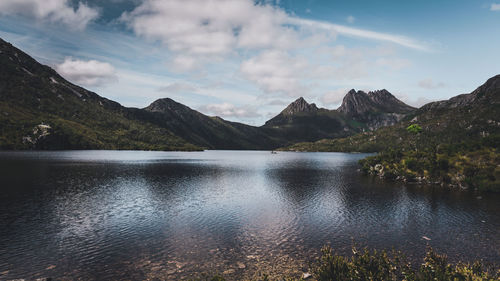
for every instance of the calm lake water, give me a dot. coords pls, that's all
(139, 215)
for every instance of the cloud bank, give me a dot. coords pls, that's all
(55, 11)
(276, 72)
(268, 42)
(87, 73)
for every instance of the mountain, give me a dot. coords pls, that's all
(299, 106)
(486, 94)
(360, 111)
(209, 132)
(39, 109)
(451, 142)
(358, 103)
(301, 121)
(375, 108)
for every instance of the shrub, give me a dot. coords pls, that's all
(374, 265)
(414, 128)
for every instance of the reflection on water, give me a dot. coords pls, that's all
(140, 215)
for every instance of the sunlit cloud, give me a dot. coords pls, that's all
(87, 73)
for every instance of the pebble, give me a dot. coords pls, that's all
(306, 275)
(229, 271)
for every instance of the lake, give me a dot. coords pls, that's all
(113, 215)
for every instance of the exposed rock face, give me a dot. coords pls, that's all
(376, 121)
(375, 108)
(301, 121)
(299, 105)
(355, 103)
(358, 103)
(39, 133)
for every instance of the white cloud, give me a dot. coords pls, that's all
(215, 28)
(229, 110)
(200, 27)
(361, 33)
(87, 73)
(495, 7)
(59, 11)
(334, 97)
(350, 19)
(276, 72)
(274, 50)
(430, 84)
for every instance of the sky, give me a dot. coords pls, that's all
(246, 60)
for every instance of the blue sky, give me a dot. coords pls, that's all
(245, 60)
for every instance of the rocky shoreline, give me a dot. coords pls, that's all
(378, 170)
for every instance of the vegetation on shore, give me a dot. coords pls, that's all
(381, 265)
(452, 143)
(421, 157)
(464, 165)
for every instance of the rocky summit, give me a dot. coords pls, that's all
(299, 105)
(375, 109)
(358, 103)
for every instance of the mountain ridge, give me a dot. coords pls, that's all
(33, 93)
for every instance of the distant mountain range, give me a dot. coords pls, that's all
(39, 109)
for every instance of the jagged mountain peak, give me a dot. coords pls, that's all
(356, 103)
(299, 105)
(382, 92)
(351, 92)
